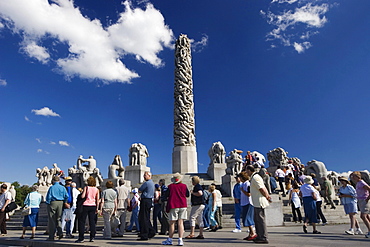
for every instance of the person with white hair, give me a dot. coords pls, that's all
(146, 200)
(32, 201)
(123, 203)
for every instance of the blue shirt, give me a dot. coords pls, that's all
(147, 189)
(236, 191)
(56, 192)
(33, 200)
(164, 193)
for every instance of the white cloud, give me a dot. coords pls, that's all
(95, 52)
(38, 140)
(27, 119)
(35, 51)
(64, 143)
(198, 46)
(292, 23)
(46, 111)
(3, 82)
(39, 150)
(301, 47)
(52, 143)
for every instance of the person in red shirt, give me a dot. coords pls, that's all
(176, 207)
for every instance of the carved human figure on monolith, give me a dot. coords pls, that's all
(217, 153)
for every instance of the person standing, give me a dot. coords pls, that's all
(218, 214)
(108, 208)
(89, 209)
(327, 191)
(146, 202)
(348, 198)
(156, 207)
(260, 199)
(123, 202)
(246, 205)
(295, 203)
(5, 199)
(237, 207)
(197, 207)
(212, 208)
(280, 174)
(177, 206)
(33, 200)
(135, 207)
(68, 216)
(309, 197)
(363, 196)
(56, 197)
(163, 203)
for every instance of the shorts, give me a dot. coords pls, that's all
(196, 215)
(177, 213)
(350, 208)
(363, 206)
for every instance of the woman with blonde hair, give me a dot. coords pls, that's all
(32, 201)
(90, 208)
(212, 208)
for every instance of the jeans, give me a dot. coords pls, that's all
(237, 208)
(91, 212)
(134, 220)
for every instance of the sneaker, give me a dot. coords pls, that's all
(237, 230)
(167, 242)
(323, 224)
(350, 232)
(359, 232)
(367, 235)
(180, 242)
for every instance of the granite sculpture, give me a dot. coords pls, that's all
(184, 156)
(234, 162)
(116, 166)
(217, 153)
(318, 168)
(138, 154)
(45, 175)
(81, 172)
(277, 157)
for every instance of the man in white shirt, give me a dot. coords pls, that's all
(5, 199)
(260, 199)
(123, 203)
(280, 174)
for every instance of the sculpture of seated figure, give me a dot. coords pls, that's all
(217, 153)
(116, 166)
(234, 162)
(89, 170)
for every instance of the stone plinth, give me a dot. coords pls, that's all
(228, 182)
(43, 190)
(135, 174)
(274, 212)
(216, 171)
(184, 159)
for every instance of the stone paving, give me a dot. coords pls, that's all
(332, 235)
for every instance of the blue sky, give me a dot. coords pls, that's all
(92, 77)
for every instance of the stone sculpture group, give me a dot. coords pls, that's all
(45, 175)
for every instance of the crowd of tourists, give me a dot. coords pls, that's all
(69, 207)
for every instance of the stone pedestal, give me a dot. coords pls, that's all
(43, 190)
(274, 212)
(135, 174)
(184, 159)
(216, 171)
(228, 182)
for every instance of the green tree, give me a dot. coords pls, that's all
(21, 192)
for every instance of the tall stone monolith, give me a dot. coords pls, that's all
(184, 155)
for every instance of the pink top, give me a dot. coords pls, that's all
(362, 193)
(91, 196)
(177, 196)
